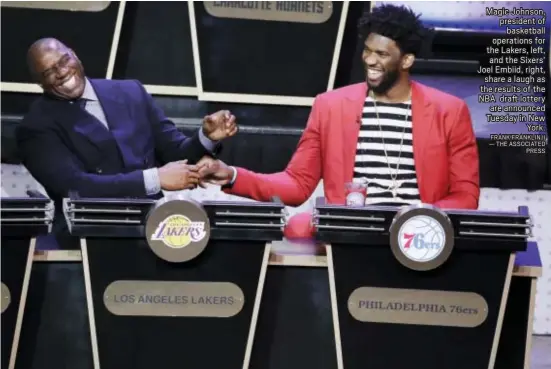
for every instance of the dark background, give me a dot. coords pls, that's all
(238, 56)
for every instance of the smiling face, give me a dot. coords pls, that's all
(58, 70)
(384, 63)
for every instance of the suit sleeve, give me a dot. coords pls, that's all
(170, 143)
(299, 180)
(53, 165)
(464, 191)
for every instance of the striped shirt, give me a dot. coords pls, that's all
(371, 164)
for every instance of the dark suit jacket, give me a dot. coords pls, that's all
(67, 149)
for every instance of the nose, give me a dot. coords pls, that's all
(62, 72)
(370, 59)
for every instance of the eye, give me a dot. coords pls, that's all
(47, 73)
(65, 60)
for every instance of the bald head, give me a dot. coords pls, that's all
(39, 47)
(56, 68)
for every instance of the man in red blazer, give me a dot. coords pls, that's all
(410, 143)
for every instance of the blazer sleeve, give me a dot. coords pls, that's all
(53, 165)
(298, 181)
(463, 159)
(170, 143)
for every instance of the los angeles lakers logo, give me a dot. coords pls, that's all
(177, 230)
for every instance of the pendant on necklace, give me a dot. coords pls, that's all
(394, 189)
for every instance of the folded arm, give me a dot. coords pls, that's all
(298, 181)
(464, 190)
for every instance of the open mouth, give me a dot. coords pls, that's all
(374, 74)
(68, 83)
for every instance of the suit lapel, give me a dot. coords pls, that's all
(74, 119)
(423, 121)
(116, 113)
(111, 103)
(89, 128)
(353, 111)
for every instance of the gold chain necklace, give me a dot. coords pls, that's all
(393, 188)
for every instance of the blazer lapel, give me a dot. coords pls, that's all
(353, 111)
(115, 112)
(111, 102)
(74, 119)
(423, 121)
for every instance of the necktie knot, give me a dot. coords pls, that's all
(80, 102)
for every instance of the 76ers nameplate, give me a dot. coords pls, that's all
(421, 237)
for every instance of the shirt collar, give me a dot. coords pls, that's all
(89, 93)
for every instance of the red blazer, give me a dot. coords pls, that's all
(444, 149)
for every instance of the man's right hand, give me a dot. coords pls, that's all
(214, 171)
(178, 176)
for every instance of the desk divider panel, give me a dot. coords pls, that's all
(22, 220)
(173, 284)
(435, 298)
(515, 343)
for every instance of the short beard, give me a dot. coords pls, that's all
(389, 80)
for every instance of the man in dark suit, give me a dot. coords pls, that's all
(105, 138)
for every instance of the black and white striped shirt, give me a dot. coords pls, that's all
(371, 163)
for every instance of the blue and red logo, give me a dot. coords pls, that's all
(421, 238)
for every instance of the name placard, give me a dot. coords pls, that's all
(5, 297)
(74, 6)
(174, 298)
(424, 307)
(282, 11)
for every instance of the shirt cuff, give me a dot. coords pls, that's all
(207, 142)
(233, 178)
(151, 181)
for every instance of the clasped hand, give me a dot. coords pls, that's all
(180, 175)
(220, 125)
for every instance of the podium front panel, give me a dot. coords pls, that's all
(149, 340)
(295, 329)
(515, 343)
(455, 344)
(15, 262)
(512, 344)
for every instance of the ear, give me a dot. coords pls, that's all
(407, 61)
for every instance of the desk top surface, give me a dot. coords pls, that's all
(530, 257)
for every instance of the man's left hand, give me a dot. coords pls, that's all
(214, 171)
(219, 125)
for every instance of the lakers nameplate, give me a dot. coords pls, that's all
(5, 297)
(423, 307)
(282, 11)
(177, 299)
